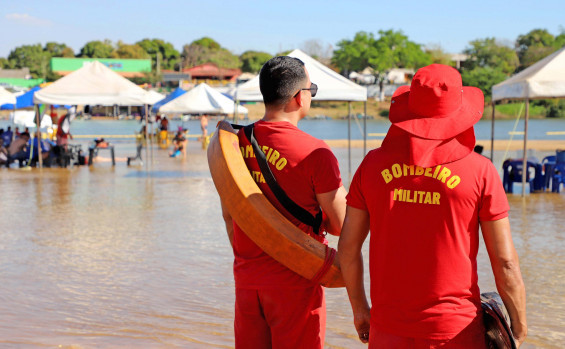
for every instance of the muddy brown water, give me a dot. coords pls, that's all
(137, 257)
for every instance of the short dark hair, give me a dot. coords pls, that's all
(280, 78)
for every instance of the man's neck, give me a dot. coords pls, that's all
(276, 115)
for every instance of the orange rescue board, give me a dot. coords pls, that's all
(258, 218)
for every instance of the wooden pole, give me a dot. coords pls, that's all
(492, 134)
(349, 139)
(525, 153)
(146, 137)
(38, 135)
(525, 156)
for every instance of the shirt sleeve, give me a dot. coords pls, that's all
(494, 203)
(325, 171)
(355, 196)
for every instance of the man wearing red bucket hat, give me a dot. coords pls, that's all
(423, 196)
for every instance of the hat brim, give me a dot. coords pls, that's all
(439, 127)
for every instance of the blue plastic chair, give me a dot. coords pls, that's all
(548, 164)
(558, 171)
(512, 173)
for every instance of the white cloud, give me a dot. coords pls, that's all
(27, 19)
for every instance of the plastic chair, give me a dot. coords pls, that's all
(512, 173)
(137, 155)
(548, 163)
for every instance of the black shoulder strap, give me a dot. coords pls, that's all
(293, 208)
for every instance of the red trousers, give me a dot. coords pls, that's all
(280, 318)
(472, 337)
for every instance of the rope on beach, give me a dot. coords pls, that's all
(513, 132)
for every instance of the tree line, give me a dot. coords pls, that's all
(163, 55)
(489, 60)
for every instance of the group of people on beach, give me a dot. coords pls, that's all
(423, 195)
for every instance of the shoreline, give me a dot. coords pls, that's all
(540, 145)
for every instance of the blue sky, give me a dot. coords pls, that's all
(271, 26)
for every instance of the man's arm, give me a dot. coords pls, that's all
(507, 275)
(333, 205)
(353, 234)
(229, 222)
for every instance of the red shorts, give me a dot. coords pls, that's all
(472, 337)
(280, 318)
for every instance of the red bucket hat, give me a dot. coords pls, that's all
(436, 105)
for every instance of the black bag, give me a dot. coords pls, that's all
(497, 322)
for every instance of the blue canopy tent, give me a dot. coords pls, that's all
(26, 100)
(23, 101)
(176, 93)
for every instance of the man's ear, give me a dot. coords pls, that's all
(299, 99)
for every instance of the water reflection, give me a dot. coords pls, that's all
(138, 257)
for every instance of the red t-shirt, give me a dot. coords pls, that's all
(303, 166)
(424, 227)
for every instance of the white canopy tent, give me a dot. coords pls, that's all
(6, 97)
(544, 79)
(93, 84)
(331, 87)
(154, 97)
(202, 99)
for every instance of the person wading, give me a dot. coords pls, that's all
(275, 307)
(423, 196)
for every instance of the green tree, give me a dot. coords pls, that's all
(483, 78)
(5, 63)
(438, 55)
(252, 61)
(128, 51)
(392, 49)
(559, 41)
(489, 53)
(207, 50)
(534, 46)
(32, 57)
(208, 43)
(160, 50)
(97, 49)
(283, 53)
(352, 55)
(58, 50)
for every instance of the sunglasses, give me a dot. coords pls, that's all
(313, 90)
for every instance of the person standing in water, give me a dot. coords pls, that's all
(423, 195)
(274, 306)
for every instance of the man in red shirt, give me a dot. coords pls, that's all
(275, 307)
(423, 196)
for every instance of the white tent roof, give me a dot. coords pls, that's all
(202, 99)
(154, 97)
(94, 84)
(331, 85)
(545, 79)
(6, 97)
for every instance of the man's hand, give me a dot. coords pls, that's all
(362, 322)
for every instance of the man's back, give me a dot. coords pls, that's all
(423, 269)
(303, 166)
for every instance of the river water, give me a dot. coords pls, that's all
(137, 257)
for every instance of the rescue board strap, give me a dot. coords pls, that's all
(292, 207)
